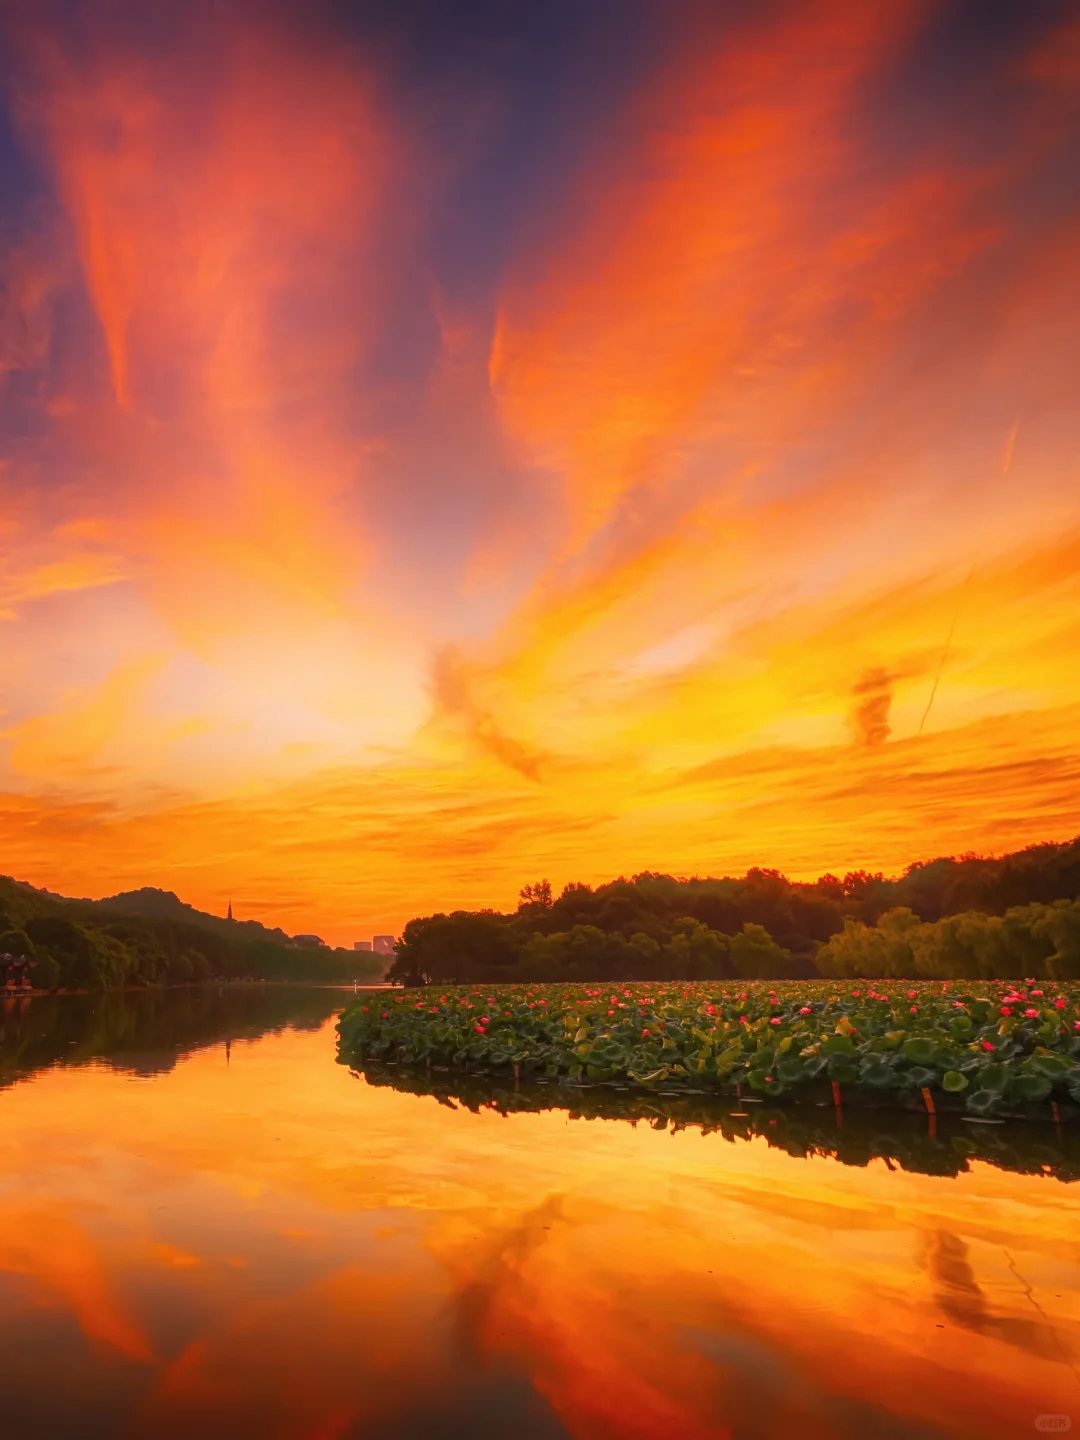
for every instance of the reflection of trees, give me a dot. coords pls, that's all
(145, 1032)
(902, 1140)
(960, 1297)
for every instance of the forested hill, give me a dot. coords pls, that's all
(165, 905)
(150, 937)
(761, 923)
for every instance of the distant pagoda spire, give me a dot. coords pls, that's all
(230, 914)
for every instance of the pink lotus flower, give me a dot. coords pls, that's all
(805, 1010)
(1030, 1014)
(1036, 992)
(485, 1020)
(911, 994)
(480, 1029)
(1005, 1010)
(775, 1020)
(1059, 1003)
(646, 1032)
(986, 1045)
(914, 1009)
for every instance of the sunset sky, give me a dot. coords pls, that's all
(443, 445)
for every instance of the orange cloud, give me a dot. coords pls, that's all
(735, 521)
(232, 301)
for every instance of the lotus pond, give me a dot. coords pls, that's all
(991, 1049)
(208, 1227)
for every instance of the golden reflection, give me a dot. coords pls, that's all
(277, 1244)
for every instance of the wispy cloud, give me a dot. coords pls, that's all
(736, 499)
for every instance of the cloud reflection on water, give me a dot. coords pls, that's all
(275, 1239)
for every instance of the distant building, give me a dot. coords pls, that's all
(308, 942)
(383, 944)
(361, 945)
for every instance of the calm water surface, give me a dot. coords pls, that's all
(209, 1228)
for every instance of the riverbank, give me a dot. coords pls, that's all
(20, 992)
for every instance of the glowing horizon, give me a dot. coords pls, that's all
(433, 462)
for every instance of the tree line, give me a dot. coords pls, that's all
(77, 946)
(763, 925)
(1028, 941)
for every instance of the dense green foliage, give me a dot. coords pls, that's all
(448, 949)
(996, 1046)
(83, 945)
(1029, 940)
(659, 927)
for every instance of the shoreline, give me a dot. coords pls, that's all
(20, 992)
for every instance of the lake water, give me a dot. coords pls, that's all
(209, 1228)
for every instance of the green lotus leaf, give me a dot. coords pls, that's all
(983, 1102)
(993, 1077)
(878, 1075)
(1030, 1088)
(837, 1045)
(1050, 1067)
(843, 1070)
(919, 1050)
(954, 1082)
